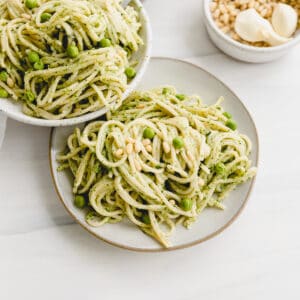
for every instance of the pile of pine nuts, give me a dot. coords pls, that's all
(134, 147)
(224, 13)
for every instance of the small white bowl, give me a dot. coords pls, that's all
(14, 109)
(241, 51)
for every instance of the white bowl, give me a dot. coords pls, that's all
(189, 79)
(14, 110)
(241, 51)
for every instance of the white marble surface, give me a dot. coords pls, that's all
(44, 255)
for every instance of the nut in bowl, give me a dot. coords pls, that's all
(253, 31)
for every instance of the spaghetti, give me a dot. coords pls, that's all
(158, 160)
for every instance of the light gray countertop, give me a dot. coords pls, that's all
(45, 255)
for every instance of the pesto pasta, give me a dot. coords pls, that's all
(66, 58)
(158, 160)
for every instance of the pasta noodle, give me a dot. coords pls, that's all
(66, 58)
(158, 160)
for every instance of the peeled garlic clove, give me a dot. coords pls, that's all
(251, 27)
(249, 24)
(272, 38)
(284, 20)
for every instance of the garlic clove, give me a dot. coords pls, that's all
(274, 39)
(249, 24)
(251, 27)
(284, 20)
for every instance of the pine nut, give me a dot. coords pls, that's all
(225, 18)
(118, 153)
(216, 14)
(166, 147)
(10, 82)
(213, 6)
(137, 147)
(26, 16)
(129, 148)
(222, 9)
(146, 142)
(201, 182)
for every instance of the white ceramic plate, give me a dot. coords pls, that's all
(14, 110)
(188, 78)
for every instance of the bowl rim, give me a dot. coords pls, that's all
(213, 25)
(23, 118)
(185, 245)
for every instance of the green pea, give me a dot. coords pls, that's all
(178, 142)
(130, 72)
(227, 115)
(72, 51)
(220, 168)
(31, 3)
(33, 57)
(105, 43)
(45, 17)
(180, 97)
(79, 201)
(165, 91)
(39, 65)
(186, 204)
(231, 124)
(29, 96)
(3, 76)
(148, 133)
(146, 219)
(3, 93)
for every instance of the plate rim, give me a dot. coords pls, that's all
(185, 245)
